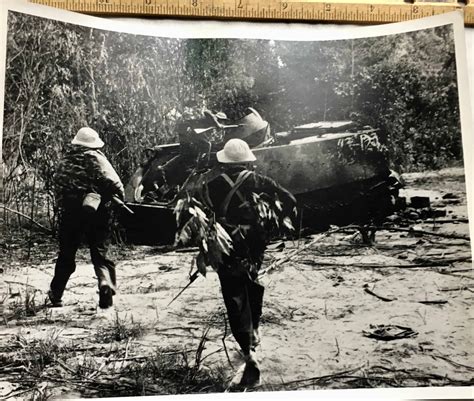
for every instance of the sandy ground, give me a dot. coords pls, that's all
(316, 309)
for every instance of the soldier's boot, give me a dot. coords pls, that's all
(105, 297)
(251, 375)
(55, 302)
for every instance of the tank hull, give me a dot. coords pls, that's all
(310, 165)
(329, 187)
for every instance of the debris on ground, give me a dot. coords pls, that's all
(389, 332)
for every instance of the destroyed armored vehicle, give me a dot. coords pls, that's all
(338, 172)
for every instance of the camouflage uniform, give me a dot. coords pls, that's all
(81, 171)
(242, 293)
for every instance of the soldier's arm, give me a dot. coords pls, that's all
(108, 181)
(270, 186)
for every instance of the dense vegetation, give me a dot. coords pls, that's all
(134, 89)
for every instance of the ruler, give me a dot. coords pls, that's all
(341, 11)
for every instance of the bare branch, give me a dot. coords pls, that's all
(46, 229)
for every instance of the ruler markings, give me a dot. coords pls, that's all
(267, 9)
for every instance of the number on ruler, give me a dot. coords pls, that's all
(194, 3)
(240, 5)
(147, 2)
(327, 7)
(284, 5)
(415, 9)
(372, 8)
(104, 1)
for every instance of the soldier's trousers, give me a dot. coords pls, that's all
(74, 225)
(243, 298)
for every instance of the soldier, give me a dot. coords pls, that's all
(196, 135)
(85, 176)
(231, 196)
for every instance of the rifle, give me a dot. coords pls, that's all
(121, 204)
(192, 279)
(272, 266)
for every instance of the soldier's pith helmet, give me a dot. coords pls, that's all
(220, 115)
(235, 151)
(87, 137)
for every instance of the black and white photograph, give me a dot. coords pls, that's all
(270, 211)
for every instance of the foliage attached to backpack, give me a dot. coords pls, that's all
(197, 224)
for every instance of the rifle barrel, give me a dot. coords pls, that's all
(120, 203)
